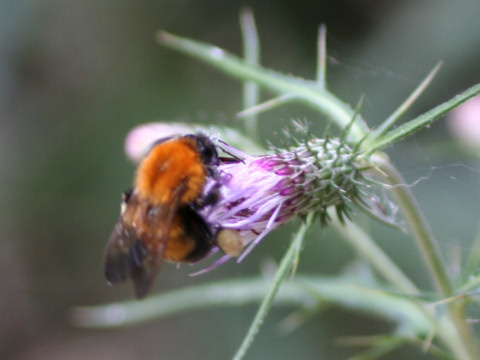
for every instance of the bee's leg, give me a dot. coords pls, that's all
(212, 195)
(210, 198)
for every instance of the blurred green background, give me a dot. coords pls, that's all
(77, 76)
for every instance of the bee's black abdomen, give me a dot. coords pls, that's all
(195, 227)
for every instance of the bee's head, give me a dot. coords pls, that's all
(206, 148)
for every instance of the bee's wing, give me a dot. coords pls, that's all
(135, 254)
(147, 262)
(121, 252)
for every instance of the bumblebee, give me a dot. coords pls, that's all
(159, 218)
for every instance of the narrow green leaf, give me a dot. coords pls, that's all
(251, 52)
(265, 106)
(388, 123)
(383, 346)
(282, 272)
(305, 91)
(423, 120)
(322, 57)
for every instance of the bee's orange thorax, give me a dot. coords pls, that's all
(167, 167)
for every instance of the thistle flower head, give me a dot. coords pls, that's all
(256, 194)
(261, 193)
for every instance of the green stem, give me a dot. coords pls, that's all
(369, 250)
(285, 266)
(464, 330)
(417, 222)
(465, 347)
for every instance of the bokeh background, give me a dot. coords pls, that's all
(76, 76)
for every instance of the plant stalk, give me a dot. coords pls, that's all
(466, 347)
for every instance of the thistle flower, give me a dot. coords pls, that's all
(260, 193)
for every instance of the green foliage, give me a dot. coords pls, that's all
(388, 293)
